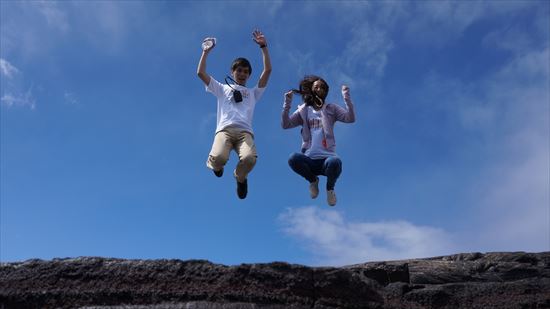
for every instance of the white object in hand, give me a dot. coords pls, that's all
(208, 43)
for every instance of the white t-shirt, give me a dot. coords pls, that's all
(318, 149)
(230, 113)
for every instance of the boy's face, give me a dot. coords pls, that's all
(241, 75)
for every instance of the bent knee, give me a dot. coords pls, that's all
(249, 160)
(218, 160)
(294, 158)
(333, 163)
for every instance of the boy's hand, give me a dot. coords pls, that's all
(259, 37)
(208, 44)
(288, 96)
(345, 92)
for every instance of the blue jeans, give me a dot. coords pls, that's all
(311, 168)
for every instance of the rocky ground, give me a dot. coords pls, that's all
(474, 280)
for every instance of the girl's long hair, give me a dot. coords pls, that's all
(306, 91)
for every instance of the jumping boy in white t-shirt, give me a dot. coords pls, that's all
(235, 112)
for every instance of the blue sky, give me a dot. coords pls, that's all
(105, 129)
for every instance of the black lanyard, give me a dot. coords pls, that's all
(237, 96)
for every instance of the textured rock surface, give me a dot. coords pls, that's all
(492, 280)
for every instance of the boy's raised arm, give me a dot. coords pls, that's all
(260, 39)
(201, 69)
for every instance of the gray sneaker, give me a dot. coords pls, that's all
(314, 188)
(331, 197)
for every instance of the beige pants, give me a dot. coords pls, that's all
(243, 144)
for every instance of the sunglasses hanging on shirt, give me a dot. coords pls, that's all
(237, 96)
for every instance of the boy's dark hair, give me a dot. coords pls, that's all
(306, 86)
(241, 62)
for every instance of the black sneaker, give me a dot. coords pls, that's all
(242, 189)
(218, 173)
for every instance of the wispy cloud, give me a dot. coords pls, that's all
(333, 240)
(25, 99)
(29, 28)
(70, 98)
(274, 7)
(302, 61)
(11, 95)
(438, 23)
(508, 112)
(514, 212)
(55, 16)
(425, 23)
(7, 69)
(364, 57)
(516, 203)
(111, 20)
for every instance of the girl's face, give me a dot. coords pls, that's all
(241, 75)
(320, 89)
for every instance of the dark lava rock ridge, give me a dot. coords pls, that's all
(472, 280)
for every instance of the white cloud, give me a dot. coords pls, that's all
(371, 28)
(515, 208)
(70, 98)
(365, 56)
(301, 61)
(107, 24)
(30, 28)
(55, 17)
(516, 203)
(34, 28)
(274, 7)
(335, 241)
(429, 23)
(509, 112)
(25, 99)
(437, 23)
(11, 94)
(7, 69)
(361, 59)
(509, 100)
(511, 38)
